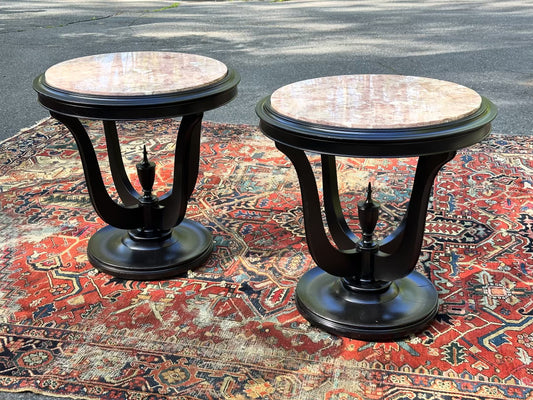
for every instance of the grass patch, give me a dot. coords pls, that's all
(173, 5)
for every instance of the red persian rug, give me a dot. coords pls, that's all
(230, 329)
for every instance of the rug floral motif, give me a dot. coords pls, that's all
(230, 329)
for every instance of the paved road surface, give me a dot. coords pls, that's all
(484, 44)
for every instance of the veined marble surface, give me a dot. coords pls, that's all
(375, 101)
(135, 73)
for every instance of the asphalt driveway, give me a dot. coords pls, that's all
(483, 44)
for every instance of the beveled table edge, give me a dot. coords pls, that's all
(137, 107)
(376, 143)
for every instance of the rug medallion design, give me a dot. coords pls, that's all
(230, 329)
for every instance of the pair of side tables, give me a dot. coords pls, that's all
(362, 288)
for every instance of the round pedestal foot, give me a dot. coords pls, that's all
(120, 254)
(403, 308)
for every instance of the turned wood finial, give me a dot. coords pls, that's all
(369, 193)
(146, 173)
(368, 217)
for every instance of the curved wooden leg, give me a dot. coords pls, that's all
(349, 293)
(167, 244)
(146, 238)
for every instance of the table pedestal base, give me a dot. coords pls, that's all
(132, 255)
(396, 310)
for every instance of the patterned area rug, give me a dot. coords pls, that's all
(230, 329)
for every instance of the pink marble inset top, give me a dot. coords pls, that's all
(375, 101)
(135, 73)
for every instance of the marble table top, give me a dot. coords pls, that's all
(135, 73)
(375, 101)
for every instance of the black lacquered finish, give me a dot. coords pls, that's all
(148, 237)
(366, 289)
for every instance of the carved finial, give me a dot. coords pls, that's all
(145, 156)
(146, 173)
(368, 217)
(369, 193)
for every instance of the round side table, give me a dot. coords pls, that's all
(364, 288)
(147, 237)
